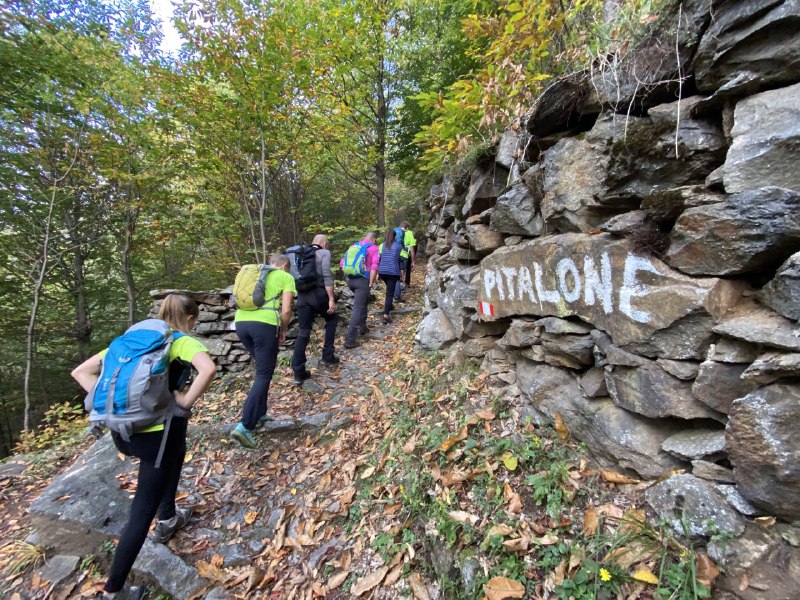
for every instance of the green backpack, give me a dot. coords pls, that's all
(355, 260)
(249, 289)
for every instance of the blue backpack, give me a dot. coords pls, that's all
(133, 389)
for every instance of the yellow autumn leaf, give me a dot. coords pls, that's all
(338, 579)
(500, 588)
(561, 427)
(369, 581)
(645, 576)
(250, 517)
(510, 461)
(614, 477)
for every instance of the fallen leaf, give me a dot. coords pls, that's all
(418, 587)
(369, 581)
(500, 588)
(463, 517)
(502, 530)
(486, 415)
(510, 461)
(448, 443)
(706, 571)
(546, 540)
(337, 579)
(744, 582)
(668, 474)
(645, 576)
(591, 522)
(614, 477)
(250, 517)
(561, 427)
(210, 571)
(765, 521)
(518, 544)
(410, 446)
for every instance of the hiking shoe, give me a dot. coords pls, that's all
(263, 420)
(363, 331)
(350, 345)
(400, 300)
(134, 592)
(331, 360)
(244, 436)
(387, 319)
(166, 529)
(300, 377)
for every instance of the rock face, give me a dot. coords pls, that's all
(749, 231)
(782, 294)
(749, 46)
(766, 135)
(695, 507)
(86, 506)
(643, 284)
(602, 281)
(765, 449)
(621, 160)
(435, 331)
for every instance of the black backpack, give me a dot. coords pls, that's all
(303, 266)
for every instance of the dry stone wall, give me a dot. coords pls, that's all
(628, 260)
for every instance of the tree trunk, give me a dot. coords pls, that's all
(38, 284)
(131, 216)
(380, 140)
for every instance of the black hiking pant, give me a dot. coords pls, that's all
(261, 341)
(358, 320)
(155, 492)
(392, 283)
(309, 305)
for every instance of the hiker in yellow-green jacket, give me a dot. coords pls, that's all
(406, 238)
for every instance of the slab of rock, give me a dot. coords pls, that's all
(667, 205)
(482, 239)
(748, 232)
(719, 384)
(764, 558)
(727, 350)
(466, 255)
(695, 444)
(214, 298)
(752, 42)
(478, 347)
(738, 501)
(773, 366)
(601, 280)
(615, 436)
(782, 293)
(761, 326)
(57, 568)
(521, 334)
(486, 184)
(606, 353)
(457, 298)
(766, 136)
(764, 448)
(511, 147)
(570, 351)
(694, 507)
(557, 326)
(648, 74)
(563, 105)
(651, 392)
(517, 212)
(629, 223)
(435, 331)
(712, 471)
(85, 507)
(682, 369)
(593, 383)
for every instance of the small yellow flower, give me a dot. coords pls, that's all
(605, 575)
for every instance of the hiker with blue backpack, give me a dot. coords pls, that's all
(360, 266)
(134, 389)
(263, 296)
(311, 268)
(389, 270)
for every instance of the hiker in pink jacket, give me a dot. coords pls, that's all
(360, 265)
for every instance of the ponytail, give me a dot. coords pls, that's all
(176, 310)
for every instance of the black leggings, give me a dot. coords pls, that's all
(155, 492)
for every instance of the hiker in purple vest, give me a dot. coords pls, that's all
(156, 485)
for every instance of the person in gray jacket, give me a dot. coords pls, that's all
(317, 301)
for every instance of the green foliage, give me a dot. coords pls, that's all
(62, 425)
